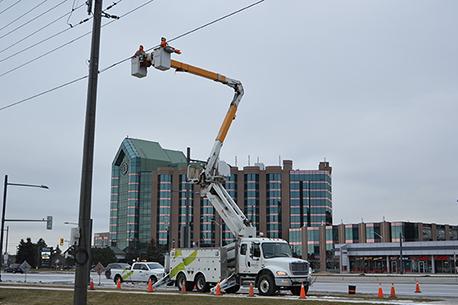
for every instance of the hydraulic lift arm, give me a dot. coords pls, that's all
(207, 177)
(210, 168)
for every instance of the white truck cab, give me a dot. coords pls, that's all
(272, 263)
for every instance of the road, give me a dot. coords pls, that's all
(405, 286)
(431, 286)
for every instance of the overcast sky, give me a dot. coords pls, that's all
(369, 85)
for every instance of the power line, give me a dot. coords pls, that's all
(43, 55)
(39, 30)
(187, 33)
(10, 6)
(127, 58)
(33, 19)
(44, 40)
(217, 20)
(65, 44)
(71, 12)
(54, 35)
(17, 18)
(44, 92)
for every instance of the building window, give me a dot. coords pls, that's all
(310, 198)
(274, 205)
(252, 198)
(164, 208)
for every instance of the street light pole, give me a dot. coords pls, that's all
(5, 189)
(3, 224)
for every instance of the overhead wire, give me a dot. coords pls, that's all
(187, 33)
(45, 92)
(56, 34)
(38, 30)
(65, 44)
(44, 40)
(10, 6)
(33, 19)
(71, 12)
(30, 10)
(125, 59)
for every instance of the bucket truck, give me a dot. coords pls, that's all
(265, 262)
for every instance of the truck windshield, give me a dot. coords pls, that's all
(271, 250)
(155, 266)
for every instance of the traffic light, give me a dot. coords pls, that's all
(61, 241)
(49, 223)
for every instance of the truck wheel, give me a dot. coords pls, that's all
(181, 281)
(233, 289)
(116, 278)
(153, 279)
(201, 284)
(266, 284)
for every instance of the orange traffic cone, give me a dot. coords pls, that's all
(118, 284)
(91, 284)
(183, 288)
(251, 290)
(380, 291)
(417, 287)
(302, 294)
(218, 289)
(150, 286)
(392, 291)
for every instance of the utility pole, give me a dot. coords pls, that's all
(83, 247)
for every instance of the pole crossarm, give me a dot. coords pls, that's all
(26, 220)
(29, 185)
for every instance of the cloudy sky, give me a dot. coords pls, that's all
(369, 85)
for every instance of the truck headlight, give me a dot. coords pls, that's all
(281, 273)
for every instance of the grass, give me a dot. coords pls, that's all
(9, 296)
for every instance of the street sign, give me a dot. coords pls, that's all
(99, 268)
(25, 267)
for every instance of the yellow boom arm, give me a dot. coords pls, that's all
(230, 116)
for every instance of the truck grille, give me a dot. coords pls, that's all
(299, 268)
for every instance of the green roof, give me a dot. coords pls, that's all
(154, 151)
(151, 153)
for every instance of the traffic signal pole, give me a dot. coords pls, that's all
(83, 247)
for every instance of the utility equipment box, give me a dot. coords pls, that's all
(136, 69)
(161, 58)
